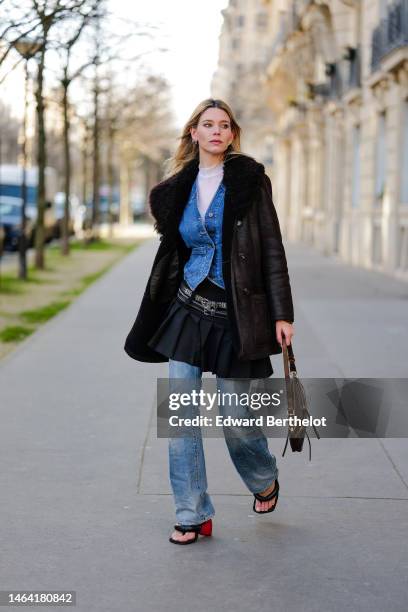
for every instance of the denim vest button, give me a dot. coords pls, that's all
(210, 214)
(239, 222)
(246, 290)
(242, 256)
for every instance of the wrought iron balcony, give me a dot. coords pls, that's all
(391, 33)
(352, 56)
(319, 89)
(330, 89)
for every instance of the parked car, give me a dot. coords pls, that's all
(104, 216)
(11, 177)
(77, 213)
(2, 237)
(138, 202)
(59, 206)
(49, 219)
(10, 222)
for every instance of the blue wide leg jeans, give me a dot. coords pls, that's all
(249, 453)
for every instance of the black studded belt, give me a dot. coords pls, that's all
(200, 303)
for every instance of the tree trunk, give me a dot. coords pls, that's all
(124, 187)
(111, 172)
(85, 146)
(96, 173)
(67, 171)
(22, 268)
(41, 163)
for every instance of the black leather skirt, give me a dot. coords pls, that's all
(196, 330)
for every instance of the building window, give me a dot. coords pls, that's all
(240, 21)
(235, 43)
(404, 157)
(355, 186)
(377, 245)
(402, 263)
(262, 21)
(268, 155)
(239, 69)
(380, 160)
(383, 8)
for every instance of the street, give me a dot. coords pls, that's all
(86, 503)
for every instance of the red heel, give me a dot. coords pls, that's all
(206, 528)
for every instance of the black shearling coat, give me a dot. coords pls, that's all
(255, 272)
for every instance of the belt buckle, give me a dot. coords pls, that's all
(208, 309)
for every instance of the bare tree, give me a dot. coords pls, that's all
(9, 128)
(86, 15)
(143, 127)
(111, 50)
(49, 13)
(139, 114)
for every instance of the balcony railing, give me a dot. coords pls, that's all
(391, 33)
(332, 87)
(354, 75)
(319, 89)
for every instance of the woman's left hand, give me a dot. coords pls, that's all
(285, 328)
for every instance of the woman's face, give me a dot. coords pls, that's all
(213, 131)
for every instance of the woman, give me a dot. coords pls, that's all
(218, 299)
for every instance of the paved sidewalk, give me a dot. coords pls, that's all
(85, 498)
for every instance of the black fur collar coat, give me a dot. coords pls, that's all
(255, 272)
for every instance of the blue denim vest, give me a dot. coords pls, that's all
(204, 238)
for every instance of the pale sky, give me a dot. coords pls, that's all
(190, 29)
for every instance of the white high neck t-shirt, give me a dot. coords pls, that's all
(208, 180)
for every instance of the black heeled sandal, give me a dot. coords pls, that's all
(261, 498)
(204, 529)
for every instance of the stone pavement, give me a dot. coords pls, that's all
(85, 498)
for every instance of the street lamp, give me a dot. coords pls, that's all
(27, 49)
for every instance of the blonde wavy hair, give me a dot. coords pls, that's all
(188, 150)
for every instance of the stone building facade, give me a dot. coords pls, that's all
(328, 115)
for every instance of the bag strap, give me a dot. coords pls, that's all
(289, 363)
